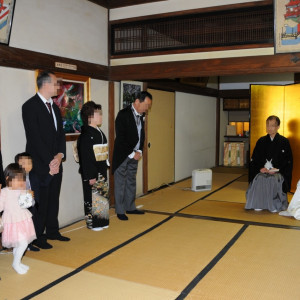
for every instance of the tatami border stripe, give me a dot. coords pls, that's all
(182, 215)
(213, 262)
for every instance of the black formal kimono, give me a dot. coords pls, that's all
(93, 154)
(268, 191)
(279, 150)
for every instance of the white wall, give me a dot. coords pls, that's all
(69, 28)
(16, 87)
(195, 133)
(239, 82)
(165, 7)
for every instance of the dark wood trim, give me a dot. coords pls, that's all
(194, 11)
(195, 50)
(174, 86)
(297, 78)
(103, 3)
(279, 63)
(217, 158)
(111, 136)
(145, 151)
(235, 94)
(108, 40)
(121, 3)
(31, 60)
(72, 137)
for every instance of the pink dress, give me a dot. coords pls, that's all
(17, 221)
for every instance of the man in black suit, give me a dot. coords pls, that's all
(46, 144)
(129, 142)
(2, 178)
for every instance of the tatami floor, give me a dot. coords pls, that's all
(193, 245)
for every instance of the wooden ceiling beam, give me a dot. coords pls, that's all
(31, 60)
(103, 3)
(121, 3)
(279, 63)
(172, 86)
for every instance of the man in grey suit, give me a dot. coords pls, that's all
(128, 147)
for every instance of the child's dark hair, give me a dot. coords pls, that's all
(12, 171)
(22, 155)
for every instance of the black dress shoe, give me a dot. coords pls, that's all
(122, 217)
(42, 244)
(33, 248)
(59, 238)
(135, 212)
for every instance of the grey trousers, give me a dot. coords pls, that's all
(125, 186)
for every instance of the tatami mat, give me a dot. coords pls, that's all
(170, 256)
(179, 195)
(159, 254)
(236, 211)
(15, 286)
(102, 287)
(262, 264)
(86, 244)
(97, 287)
(235, 192)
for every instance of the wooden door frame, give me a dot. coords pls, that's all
(145, 151)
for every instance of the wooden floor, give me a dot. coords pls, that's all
(193, 245)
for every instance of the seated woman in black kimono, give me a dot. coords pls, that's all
(93, 160)
(270, 170)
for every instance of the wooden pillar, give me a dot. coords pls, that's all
(217, 158)
(145, 152)
(111, 135)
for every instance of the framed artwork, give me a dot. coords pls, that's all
(6, 16)
(286, 26)
(73, 92)
(129, 90)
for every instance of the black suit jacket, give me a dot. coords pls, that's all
(126, 136)
(2, 178)
(43, 140)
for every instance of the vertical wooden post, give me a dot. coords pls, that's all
(111, 135)
(145, 152)
(217, 132)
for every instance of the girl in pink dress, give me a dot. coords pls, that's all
(18, 229)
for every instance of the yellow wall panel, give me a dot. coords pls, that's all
(266, 100)
(284, 102)
(292, 126)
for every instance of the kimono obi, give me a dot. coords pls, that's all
(101, 152)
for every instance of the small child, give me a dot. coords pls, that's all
(33, 185)
(18, 229)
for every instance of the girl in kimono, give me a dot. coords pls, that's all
(270, 171)
(18, 229)
(93, 160)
